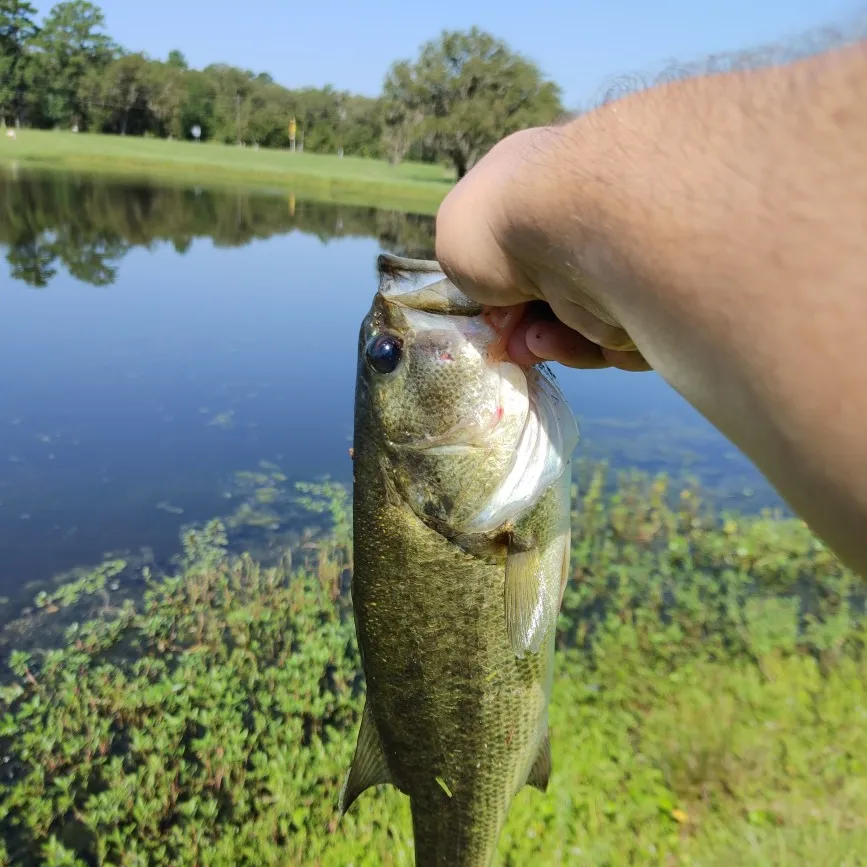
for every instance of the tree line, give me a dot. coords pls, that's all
(463, 92)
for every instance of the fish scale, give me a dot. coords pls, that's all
(457, 698)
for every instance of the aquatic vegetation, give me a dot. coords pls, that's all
(225, 420)
(92, 581)
(166, 506)
(710, 706)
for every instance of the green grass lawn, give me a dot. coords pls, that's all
(416, 187)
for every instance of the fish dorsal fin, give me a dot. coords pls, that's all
(368, 766)
(540, 773)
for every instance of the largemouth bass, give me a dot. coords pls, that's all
(462, 534)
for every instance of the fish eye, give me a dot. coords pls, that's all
(384, 353)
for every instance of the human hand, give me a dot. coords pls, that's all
(509, 235)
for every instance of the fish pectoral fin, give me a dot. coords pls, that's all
(533, 591)
(525, 602)
(368, 767)
(536, 569)
(540, 773)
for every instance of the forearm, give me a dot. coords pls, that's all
(723, 222)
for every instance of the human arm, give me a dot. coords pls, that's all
(719, 224)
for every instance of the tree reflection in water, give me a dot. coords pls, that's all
(87, 225)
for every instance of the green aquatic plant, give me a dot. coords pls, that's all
(166, 506)
(92, 582)
(207, 718)
(225, 420)
(331, 499)
(710, 704)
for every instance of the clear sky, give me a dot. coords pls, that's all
(581, 44)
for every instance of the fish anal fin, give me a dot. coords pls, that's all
(368, 767)
(540, 773)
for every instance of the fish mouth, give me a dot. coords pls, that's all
(460, 440)
(443, 448)
(454, 442)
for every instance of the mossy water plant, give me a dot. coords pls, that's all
(710, 706)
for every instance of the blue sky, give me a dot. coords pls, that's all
(582, 44)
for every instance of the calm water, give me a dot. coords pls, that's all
(153, 342)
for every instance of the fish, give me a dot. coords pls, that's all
(461, 529)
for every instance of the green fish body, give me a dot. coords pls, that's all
(461, 526)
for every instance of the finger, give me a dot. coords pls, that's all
(504, 320)
(554, 341)
(630, 360)
(575, 313)
(471, 258)
(469, 223)
(517, 349)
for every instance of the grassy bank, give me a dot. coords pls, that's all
(710, 706)
(412, 187)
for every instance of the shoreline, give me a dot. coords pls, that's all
(409, 187)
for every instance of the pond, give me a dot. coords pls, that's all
(156, 341)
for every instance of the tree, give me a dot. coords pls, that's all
(363, 126)
(123, 85)
(400, 127)
(17, 30)
(270, 108)
(233, 88)
(167, 89)
(177, 60)
(318, 114)
(197, 108)
(72, 47)
(470, 90)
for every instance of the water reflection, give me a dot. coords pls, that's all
(86, 227)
